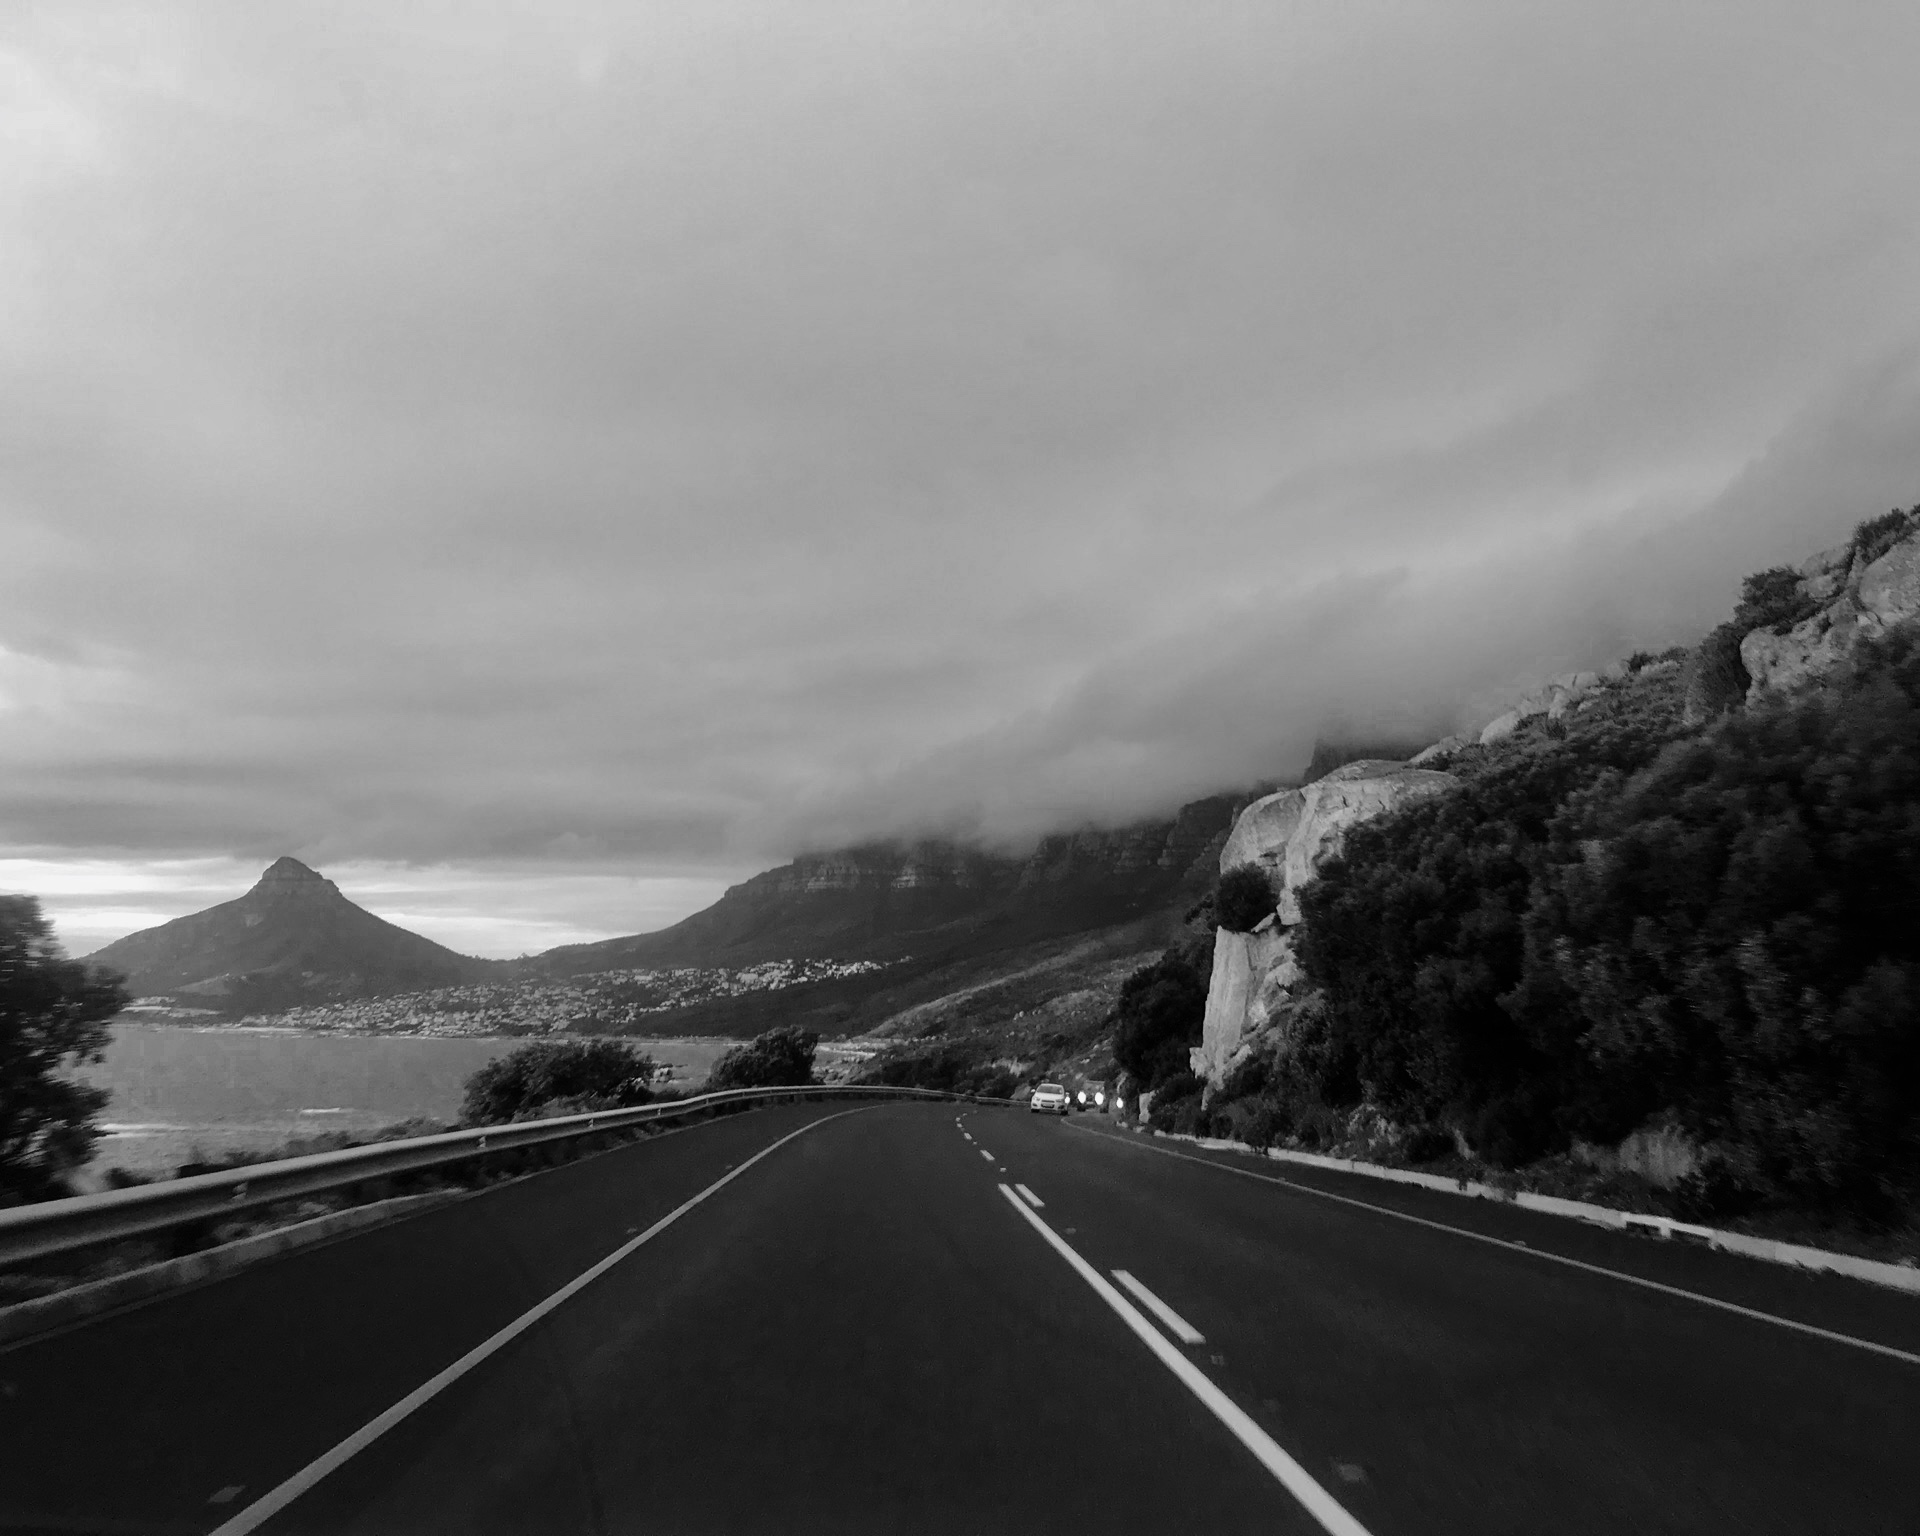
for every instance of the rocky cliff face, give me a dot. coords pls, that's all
(1860, 598)
(1290, 835)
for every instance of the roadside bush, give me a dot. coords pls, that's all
(1158, 1016)
(1176, 1105)
(53, 1018)
(610, 1072)
(1732, 932)
(779, 1058)
(1243, 899)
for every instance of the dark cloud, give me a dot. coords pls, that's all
(651, 438)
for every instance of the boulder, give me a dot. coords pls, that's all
(1890, 587)
(1500, 727)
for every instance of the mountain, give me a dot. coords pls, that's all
(293, 938)
(885, 901)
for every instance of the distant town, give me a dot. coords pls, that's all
(608, 1001)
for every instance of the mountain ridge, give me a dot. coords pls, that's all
(886, 900)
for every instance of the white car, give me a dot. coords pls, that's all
(1048, 1099)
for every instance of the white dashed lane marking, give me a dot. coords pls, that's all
(1175, 1324)
(986, 1154)
(1331, 1515)
(1031, 1198)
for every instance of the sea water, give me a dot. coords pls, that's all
(181, 1093)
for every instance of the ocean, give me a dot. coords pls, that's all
(183, 1093)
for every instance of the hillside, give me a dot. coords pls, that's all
(933, 899)
(291, 939)
(1646, 937)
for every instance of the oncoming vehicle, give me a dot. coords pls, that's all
(1049, 1099)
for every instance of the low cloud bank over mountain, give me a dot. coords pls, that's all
(587, 439)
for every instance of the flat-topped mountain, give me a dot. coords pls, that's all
(292, 938)
(885, 900)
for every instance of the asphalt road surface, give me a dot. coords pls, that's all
(923, 1318)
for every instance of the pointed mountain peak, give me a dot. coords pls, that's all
(289, 871)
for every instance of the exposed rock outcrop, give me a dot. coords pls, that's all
(1253, 978)
(1290, 835)
(1553, 701)
(1862, 599)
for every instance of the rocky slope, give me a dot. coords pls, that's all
(293, 938)
(1857, 594)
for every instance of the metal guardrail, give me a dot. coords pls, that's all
(82, 1221)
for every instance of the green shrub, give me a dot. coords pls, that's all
(1772, 599)
(534, 1076)
(1243, 899)
(1874, 537)
(1717, 679)
(779, 1058)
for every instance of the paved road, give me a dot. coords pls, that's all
(872, 1328)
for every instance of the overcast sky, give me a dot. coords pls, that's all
(541, 463)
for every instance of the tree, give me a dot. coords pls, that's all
(780, 1058)
(1158, 1017)
(53, 1018)
(605, 1073)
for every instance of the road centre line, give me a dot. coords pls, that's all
(986, 1154)
(1176, 1325)
(279, 1497)
(1322, 1505)
(1810, 1329)
(1030, 1197)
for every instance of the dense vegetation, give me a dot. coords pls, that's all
(552, 1077)
(1160, 1010)
(1646, 911)
(1629, 919)
(53, 1017)
(780, 1058)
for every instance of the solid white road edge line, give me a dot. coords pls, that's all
(278, 1498)
(1541, 1253)
(1286, 1471)
(1031, 1198)
(1176, 1325)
